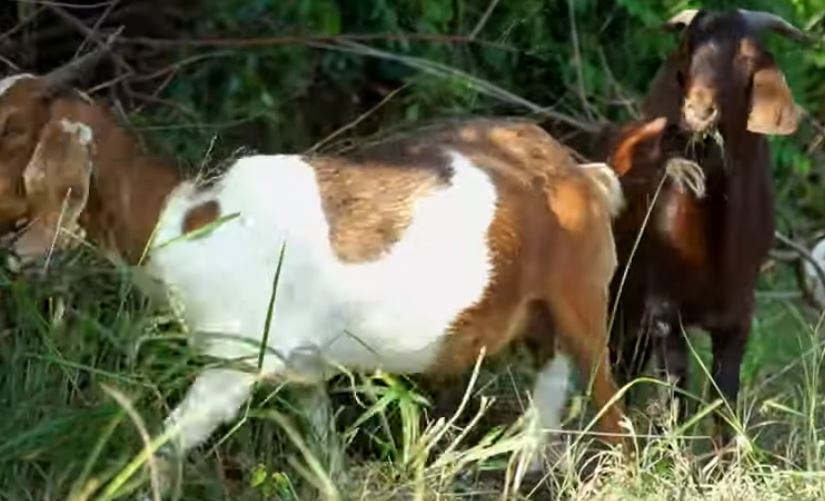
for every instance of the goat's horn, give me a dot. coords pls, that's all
(682, 19)
(758, 20)
(61, 76)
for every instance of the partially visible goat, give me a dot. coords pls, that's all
(718, 96)
(812, 278)
(410, 255)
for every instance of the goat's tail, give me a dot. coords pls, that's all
(608, 185)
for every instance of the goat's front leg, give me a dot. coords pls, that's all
(213, 399)
(673, 358)
(728, 350)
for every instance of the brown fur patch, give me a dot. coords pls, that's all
(200, 216)
(684, 228)
(552, 255)
(368, 195)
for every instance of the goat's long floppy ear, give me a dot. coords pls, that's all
(646, 134)
(61, 159)
(57, 181)
(773, 110)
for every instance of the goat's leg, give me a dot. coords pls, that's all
(314, 400)
(633, 347)
(213, 399)
(544, 415)
(580, 314)
(549, 390)
(728, 350)
(673, 357)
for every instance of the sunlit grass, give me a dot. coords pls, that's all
(73, 339)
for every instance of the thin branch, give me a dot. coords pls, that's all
(577, 60)
(91, 34)
(358, 120)
(94, 30)
(173, 68)
(624, 99)
(484, 18)
(22, 23)
(52, 3)
(478, 84)
(9, 63)
(166, 43)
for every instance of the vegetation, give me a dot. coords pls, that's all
(88, 364)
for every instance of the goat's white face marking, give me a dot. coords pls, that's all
(392, 313)
(81, 130)
(8, 82)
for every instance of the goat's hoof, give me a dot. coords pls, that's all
(686, 173)
(167, 464)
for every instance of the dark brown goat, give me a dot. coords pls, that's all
(710, 108)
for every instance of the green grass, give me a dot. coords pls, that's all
(86, 362)
(79, 343)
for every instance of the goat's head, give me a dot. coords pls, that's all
(56, 181)
(26, 103)
(45, 155)
(721, 75)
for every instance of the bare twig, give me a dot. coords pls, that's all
(165, 102)
(484, 18)
(820, 128)
(577, 60)
(358, 120)
(91, 34)
(53, 3)
(22, 23)
(96, 27)
(180, 64)
(478, 84)
(9, 63)
(624, 98)
(163, 43)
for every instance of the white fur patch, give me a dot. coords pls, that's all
(544, 415)
(392, 313)
(550, 391)
(812, 279)
(608, 182)
(81, 130)
(8, 82)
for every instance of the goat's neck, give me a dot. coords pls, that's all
(128, 191)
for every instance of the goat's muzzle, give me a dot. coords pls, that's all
(700, 113)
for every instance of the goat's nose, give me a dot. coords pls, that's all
(702, 111)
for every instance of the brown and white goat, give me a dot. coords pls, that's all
(698, 263)
(410, 255)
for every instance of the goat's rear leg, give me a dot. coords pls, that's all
(580, 314)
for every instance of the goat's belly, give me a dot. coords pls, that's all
(392, 313)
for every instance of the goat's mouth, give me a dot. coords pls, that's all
(696, 124)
